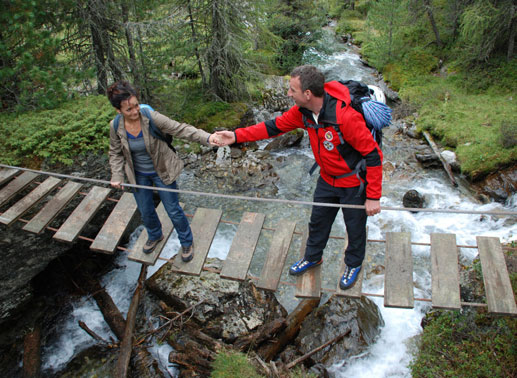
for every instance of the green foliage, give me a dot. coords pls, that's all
(30, 75)
(470, 123)
(58, 135)
(485, 28)
(469, 343)
(232, 364)
(298, 24)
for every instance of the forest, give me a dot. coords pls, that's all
(452, 63)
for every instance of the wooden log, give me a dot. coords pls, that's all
(109, 310)
(294, 322)
(126, 346)
(446, 165)
(31, 353)
(91, 333)
(263, 333)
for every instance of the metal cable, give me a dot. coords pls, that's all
(271, 200)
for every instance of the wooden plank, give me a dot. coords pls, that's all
(243, 246)
(82, 214)
(308, 285)
(6, 174)
(204, 225)
(31, 199)
(498, 288)
(136, 253)
(53, 207)
(110, 234)
(272, 269)
(398, 281)
(20, 182)
(444, 272)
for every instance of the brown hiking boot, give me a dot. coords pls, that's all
(187, 253)
(150, 245)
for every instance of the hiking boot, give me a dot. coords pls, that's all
(349, 277)
(187, 253)
(150, 245)
(302, 265)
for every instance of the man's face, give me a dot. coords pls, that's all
(301, 98)
(130, 109)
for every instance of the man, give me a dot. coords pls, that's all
(349, 158)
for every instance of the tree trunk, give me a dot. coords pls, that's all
(429, 10)
(31, 354)
(294, 322)
(511, 41)
(194, 40)
(130, 44)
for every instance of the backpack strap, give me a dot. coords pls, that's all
(145, 110)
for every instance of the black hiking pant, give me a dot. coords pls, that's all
(323, 217)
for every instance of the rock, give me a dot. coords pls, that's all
(223, 156)
(499, 185)
(428, 160)
(335, 317)
(413, 199)
(274, 95)
(229, 308)
(450, 158)
(289, 139)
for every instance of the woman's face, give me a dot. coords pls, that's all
(130, 109)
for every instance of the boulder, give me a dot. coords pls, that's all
(287, 140)
(338, 315)
(413, 199)
(228, 309)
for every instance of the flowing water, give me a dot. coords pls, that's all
(390, 355)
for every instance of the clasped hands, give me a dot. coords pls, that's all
(222, 138)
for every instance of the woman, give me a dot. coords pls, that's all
(147, 160)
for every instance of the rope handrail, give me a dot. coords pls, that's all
(261, 199)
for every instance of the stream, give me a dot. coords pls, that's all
(391, 353)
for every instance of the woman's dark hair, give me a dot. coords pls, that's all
(310, 78)
(120, 91)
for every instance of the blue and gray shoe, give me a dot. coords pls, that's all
(349, 277)
(302, 265)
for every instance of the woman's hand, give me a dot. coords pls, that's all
(116, 184)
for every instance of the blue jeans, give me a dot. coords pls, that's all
(144, 200)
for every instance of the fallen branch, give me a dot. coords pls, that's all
(307, 355)
(294, 322)
(446, 165)
(91, 333)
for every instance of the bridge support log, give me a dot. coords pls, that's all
(31, 353)
(126, 346)
(294, 322)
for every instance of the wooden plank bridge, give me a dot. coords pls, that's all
(398, 285)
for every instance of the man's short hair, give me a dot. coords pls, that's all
(310, 78)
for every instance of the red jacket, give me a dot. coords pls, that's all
(333, 157)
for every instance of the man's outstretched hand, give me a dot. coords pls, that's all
(225, 138)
